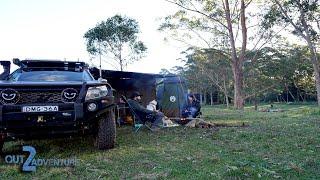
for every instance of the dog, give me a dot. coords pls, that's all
(152, 106)
(168, 123)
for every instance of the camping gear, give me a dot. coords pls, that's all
(171, 95)
(169, 91)
(137, 121)
(125, 83)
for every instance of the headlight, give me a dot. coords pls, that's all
(96, 92)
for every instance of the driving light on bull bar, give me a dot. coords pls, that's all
(96, 92)
(92, 107)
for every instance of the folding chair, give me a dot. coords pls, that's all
(138, 123)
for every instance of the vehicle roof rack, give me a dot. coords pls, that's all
(50, 64)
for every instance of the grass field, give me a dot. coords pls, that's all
(282, 145)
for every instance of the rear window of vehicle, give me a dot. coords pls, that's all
(53, 76)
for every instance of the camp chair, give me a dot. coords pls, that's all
(138, 123)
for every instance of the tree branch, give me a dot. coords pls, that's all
(289, 19)
(238, 29)
(235, 7)
(197, 11)
(230, 30)
(265, 42)
(248, 4)
(244, 31)
(261, 91)
(203, 39)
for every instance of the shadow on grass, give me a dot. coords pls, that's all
(59, 148)
(78, 146)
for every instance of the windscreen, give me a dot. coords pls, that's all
(53, 76)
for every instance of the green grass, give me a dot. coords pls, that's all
(275, 145)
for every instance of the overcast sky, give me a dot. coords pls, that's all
(54, 29)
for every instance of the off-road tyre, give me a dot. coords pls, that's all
(106, 134)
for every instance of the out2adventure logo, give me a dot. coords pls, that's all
(29, 162)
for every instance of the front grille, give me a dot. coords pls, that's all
(42, 95)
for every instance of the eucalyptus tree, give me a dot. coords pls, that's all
(302, 16)
(220, 25)
(117, 38)
(215, 70)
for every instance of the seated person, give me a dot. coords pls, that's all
(192, 108)
(145, 114)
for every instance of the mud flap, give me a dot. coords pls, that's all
(78, 111)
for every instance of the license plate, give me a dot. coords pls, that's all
(40, 108)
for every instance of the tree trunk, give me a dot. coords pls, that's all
(317, 76)
(255, 103)
(227, 100)
(205, 98)
(121, 65)
(237, 61)
(211, 98)
(225, 92)
(238, 86)
(120, 59)
(303, 99)
(287, 92)
(294, 98)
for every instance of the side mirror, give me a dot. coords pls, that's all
(6, 69)
(16, 61)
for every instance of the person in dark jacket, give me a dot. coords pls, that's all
(192, 108)
(145, 114)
